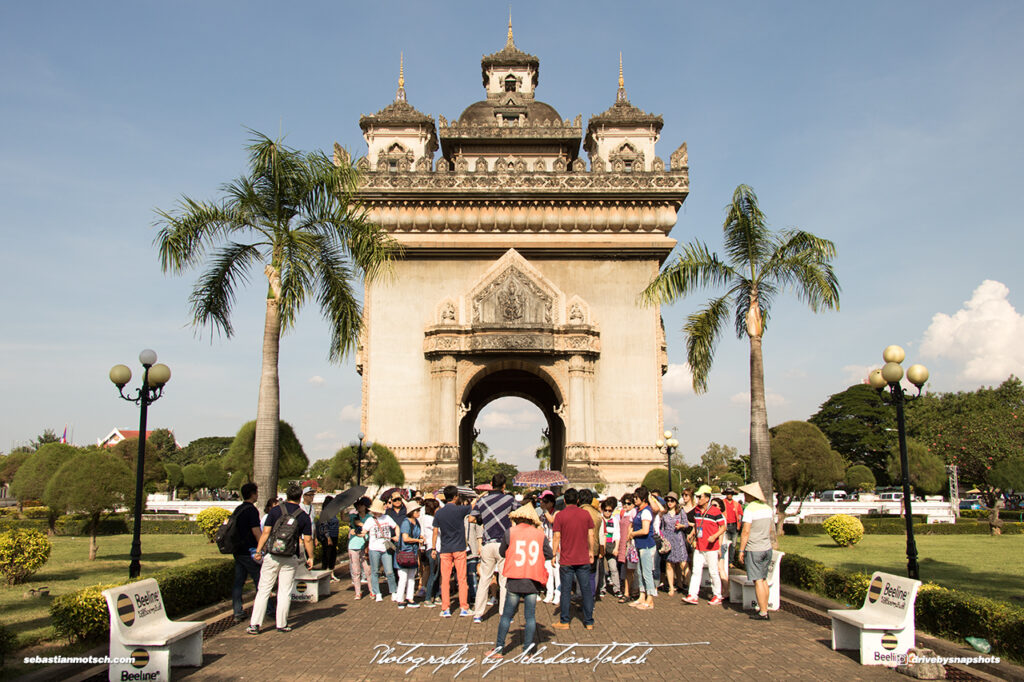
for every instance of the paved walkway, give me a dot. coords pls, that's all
(340, 638)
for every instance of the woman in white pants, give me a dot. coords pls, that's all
(547, 516)
(410, 539)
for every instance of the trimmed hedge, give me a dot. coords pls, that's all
(83, 614)
(113, 525)
(897, 527)
(984, 514)
(36, 512)
(938, 610)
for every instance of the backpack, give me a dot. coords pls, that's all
(226, 536)
(321, 532)
(284, 537)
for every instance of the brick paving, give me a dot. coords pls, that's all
(337, 638)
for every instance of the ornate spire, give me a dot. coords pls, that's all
(510, 42)
(400, 95)
(621, 97)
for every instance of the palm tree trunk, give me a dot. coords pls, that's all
(760, 447)
(268, 409)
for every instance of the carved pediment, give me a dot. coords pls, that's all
(513, 293)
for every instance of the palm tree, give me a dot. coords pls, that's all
(480, 450)
(543, 453)
(761, 264)
(296, 215)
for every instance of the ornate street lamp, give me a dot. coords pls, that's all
(360, 448)
(890, 375)
(154, 377)
(668, 446)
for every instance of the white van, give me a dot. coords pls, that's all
(833, 496)
(890, 497)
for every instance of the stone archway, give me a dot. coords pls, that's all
(503, 379)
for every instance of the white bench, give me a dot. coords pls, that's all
(742, 590)
(141, 631)
(311, 586)
(883, 628)
(705, 580)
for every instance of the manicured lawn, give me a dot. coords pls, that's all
(69, 569)
(992, 566)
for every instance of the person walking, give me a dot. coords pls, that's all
(358, 559)
(547, 517)
(709, 526)
(755, 550)
(573, 537)
(449, 528)
(674, 528)
(332, 531)
(733, 521)
(492, 513)
(381, 531)
(308, 493)
(525, 549)
(279, 569)
(609, 545)
(247, 534)
(271, 503)
(407, 558)
(642, 534)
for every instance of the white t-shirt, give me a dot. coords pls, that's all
(427, 530)
(379, 530)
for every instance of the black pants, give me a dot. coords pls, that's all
(330, 557)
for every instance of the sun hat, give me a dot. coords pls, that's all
(672, 495)
(753, 490)
(411, 507)
(525, 513)
(378, 507)
(546, 493)
(429, 496)
(703, 490)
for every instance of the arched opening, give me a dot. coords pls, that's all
(511, 382)
(510, 83)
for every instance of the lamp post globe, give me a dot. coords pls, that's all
(918, 375)
(893, 354)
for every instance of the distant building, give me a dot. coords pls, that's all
(118, 435)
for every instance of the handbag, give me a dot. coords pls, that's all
(664, 546)
(389, 546)
(408, 558)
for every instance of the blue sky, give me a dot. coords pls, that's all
(891, 128)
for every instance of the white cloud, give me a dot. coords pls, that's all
(984, 336)
(510, 421)
(670, 415)
(326, 435)
(857, 374)
(772, 399)
(677, 380)
(350, 413)
(317, 380)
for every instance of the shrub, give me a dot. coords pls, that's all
(83, 614)
(8, 644)
(209, 520)
(859, 477)
(36, 512)
(22, 553)
(846, 530)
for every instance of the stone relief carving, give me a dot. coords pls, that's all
(461, 164)
(579, 165)
(559, 165)
(597, 165)
(680, 159)
(481, 165)
(464, 409)
(658, 165)
(442, 165)
(520, 166)
(363, 164)
(557, 181)
(512, 298)
(448, 313)
(512, 301)
(423, 164)
(539, 166)
(576, 314)
(512, 342)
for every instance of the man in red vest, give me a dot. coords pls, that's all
(524, 549)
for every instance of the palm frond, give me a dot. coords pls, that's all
(766, 292)
(338, 301)
(803, 262)
(703, 329)
(695, 267)
(184, 237)
(748, 241)
(214, 293)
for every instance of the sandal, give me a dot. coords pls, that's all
(624, 599)
(644, 607)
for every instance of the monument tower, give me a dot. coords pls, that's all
(520, 276)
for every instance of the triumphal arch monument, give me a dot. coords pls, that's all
(520, 276)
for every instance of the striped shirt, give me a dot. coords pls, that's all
(492, 513)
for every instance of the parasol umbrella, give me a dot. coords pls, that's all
(484, 487)
(389, 493)
(539, 479)
(465, 491)
(342, 501)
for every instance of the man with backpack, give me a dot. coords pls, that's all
(246, 534)
(287, 527)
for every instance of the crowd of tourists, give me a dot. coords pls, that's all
(501, 550)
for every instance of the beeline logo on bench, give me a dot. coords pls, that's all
(148, 602)
(127, 676)
(894, 595)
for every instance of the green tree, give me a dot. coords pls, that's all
(35, 473)
(761, 264)
(202, 450)
(163, 441)
(296, 217)
(716, 459)
(860, 477)
(193, 477)
(860, 427)
(543, 453)
(927, 471)
(485, 470)
(47, 436)
(239, 459)
(109, 485)
(10, 464)
(174, 476)
(740, 466)
(214, 475)
(480, 450)
(379, 467)
(319, 469)
(153, 467)
(657, 479)
(802, 461)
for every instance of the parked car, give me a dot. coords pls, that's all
(970, 504)
(890, 497)
(833, 496)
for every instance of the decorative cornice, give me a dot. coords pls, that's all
(376, 183)
(557, 340)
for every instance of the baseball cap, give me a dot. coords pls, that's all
(307, 489)
(703, 490)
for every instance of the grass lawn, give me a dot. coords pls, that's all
(69, 569)
(991, 566)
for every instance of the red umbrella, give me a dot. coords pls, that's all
(484, 486)
(539, 479)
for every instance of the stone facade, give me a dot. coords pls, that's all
(520, 276)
